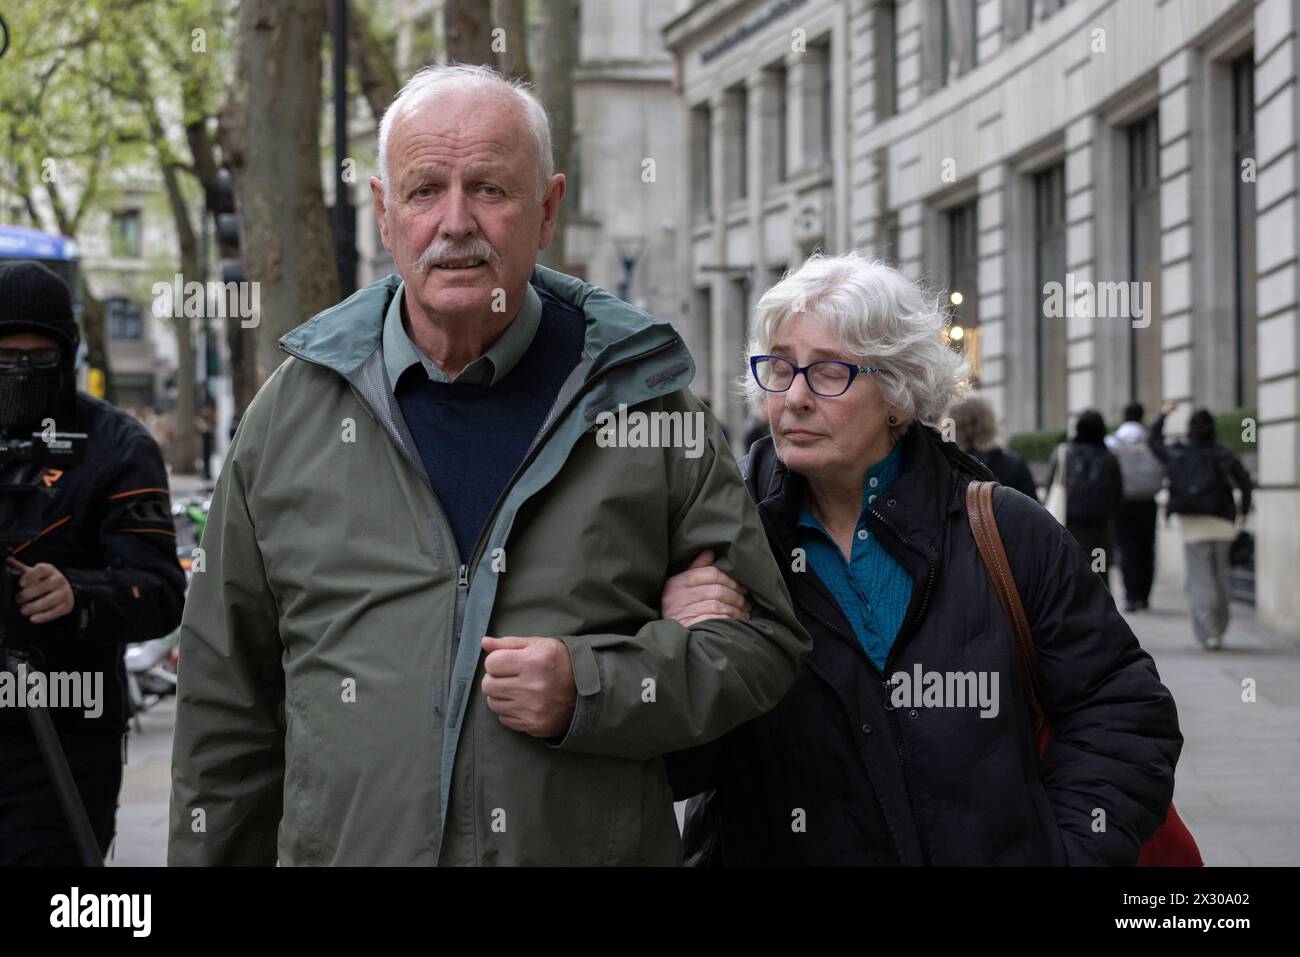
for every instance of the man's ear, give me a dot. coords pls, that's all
(377, 191)
(551, 209)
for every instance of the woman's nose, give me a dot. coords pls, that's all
(800, 393)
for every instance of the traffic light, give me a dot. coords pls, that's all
(232, 267)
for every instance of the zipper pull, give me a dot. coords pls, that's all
(462, 593)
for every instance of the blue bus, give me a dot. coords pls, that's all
(57, 252)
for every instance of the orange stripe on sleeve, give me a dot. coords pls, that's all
(138, 491)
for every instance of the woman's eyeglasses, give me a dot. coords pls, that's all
(10, 359)
(826, 377)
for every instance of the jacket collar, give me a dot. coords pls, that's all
(346, 335)
(932, 477)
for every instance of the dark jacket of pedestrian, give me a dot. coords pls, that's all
(1202, 472)
(1094, 485)
(838, 773)
(106, 524)
(1009, 469)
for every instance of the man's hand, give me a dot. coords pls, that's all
(702, 592)
(529, 684)
(44, 594)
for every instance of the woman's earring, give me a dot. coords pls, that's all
(893, 420)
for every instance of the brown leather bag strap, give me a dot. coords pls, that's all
(984, 528)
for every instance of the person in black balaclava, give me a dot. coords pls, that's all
(97, 570)
(43, 385)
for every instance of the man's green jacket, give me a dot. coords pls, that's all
(329, 708)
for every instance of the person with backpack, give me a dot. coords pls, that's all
(1094, 488)
(1202, 473)
(1135, 527)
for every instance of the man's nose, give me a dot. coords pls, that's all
(457, 216)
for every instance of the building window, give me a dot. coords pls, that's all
(1049, 266)
(889, 239)
(1246, 373)
(125, 320)
(124, 234)
(573, 176)
(1145, 349)
(884, 48)
(781, 120)
(963, 290)
(742, 143)
(827, 100)
(957, 37)
(702, 161)
(702, 315)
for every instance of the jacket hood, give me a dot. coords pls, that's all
(344, 336)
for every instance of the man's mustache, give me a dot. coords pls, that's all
(440, 250)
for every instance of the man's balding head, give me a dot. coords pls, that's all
(465, 198)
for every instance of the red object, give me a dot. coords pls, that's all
(1172, 845)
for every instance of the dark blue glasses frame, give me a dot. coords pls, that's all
(756, 361)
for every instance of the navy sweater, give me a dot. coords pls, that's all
(472, 438)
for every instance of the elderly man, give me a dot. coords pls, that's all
(429, 628)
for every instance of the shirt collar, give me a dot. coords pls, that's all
(400, 353)
(884, 472)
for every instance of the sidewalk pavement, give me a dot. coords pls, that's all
(146, 791)
(1239, 773)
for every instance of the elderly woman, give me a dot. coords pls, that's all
(975, 429)
(906, 738)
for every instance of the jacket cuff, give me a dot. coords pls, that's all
(586, 679)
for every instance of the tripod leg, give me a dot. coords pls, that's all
(65, 786)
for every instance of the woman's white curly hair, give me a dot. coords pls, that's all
(881, 317)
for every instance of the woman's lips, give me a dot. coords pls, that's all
(800, 435)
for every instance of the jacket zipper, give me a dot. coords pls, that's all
(929, 581)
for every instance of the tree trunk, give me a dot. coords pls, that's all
(270, 132)
(378, 79)
(513, 60)
(185, 451)
(555, 86)
(468, 26)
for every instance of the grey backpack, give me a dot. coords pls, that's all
(1141, 471)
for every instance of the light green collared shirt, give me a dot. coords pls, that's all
(400, 352)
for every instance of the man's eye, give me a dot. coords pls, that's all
(424, 191)
(490, 190)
